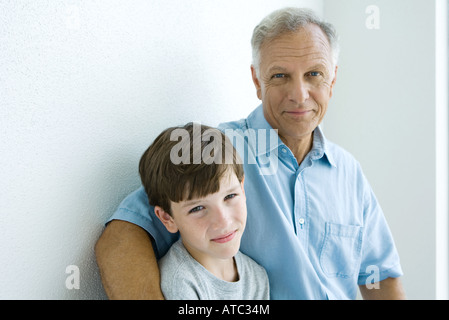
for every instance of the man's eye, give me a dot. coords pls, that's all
(314, 73)
(278, 76)
(230, 196)
(196, 209)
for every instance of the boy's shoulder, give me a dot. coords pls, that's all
(248, 264)
(254, 278)
(178, 274)
(176, 252)
(175, 261)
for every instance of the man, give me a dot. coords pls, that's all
(313, 221)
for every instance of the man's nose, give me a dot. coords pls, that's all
(298, 91)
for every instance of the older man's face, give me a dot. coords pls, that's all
(295, 82)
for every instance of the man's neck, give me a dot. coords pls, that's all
(300, 147)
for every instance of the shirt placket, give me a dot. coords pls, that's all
(300, 212)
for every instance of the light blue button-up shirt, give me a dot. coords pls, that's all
(316, 227)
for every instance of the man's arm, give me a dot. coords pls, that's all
(389, 289)
(127, 263)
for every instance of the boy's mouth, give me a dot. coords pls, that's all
(225, 237)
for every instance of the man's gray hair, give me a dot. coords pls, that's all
(289, 20)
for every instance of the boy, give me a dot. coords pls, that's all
(201, 195)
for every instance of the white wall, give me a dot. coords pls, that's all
(384, 112)
(85, 86)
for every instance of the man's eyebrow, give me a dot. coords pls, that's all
(277, 69)
(318, 66)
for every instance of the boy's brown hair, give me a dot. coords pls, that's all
(207, 154)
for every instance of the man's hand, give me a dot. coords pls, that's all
(127, 263)
(389, 289)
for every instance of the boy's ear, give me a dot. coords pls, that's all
(243, 184)
(166, 219)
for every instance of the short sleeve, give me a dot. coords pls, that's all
(380, 259)
(136, 209)
(179, 289)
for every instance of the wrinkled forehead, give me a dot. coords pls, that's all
(306, 43)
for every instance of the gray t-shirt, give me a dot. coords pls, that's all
(184, 278)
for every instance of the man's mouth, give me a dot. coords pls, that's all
(298, 113)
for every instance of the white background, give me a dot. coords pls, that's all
(85, 86)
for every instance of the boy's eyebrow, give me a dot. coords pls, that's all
(191, 202)
(237, 186)
(196, 201)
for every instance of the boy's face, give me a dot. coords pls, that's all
(210, 227)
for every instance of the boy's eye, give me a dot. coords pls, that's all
(196, 209)
(230, 196)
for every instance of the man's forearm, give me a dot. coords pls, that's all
(127, 263)
(389, 289)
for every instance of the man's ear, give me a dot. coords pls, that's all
(256, 82)
(333, 80)
(166, 219)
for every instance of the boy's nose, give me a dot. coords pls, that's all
(221, 218)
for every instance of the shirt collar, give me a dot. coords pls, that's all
(320, 147)
(256, 120)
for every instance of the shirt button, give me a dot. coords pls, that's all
(301, 221)
(284, 150)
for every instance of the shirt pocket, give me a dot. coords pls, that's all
(341, 251)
